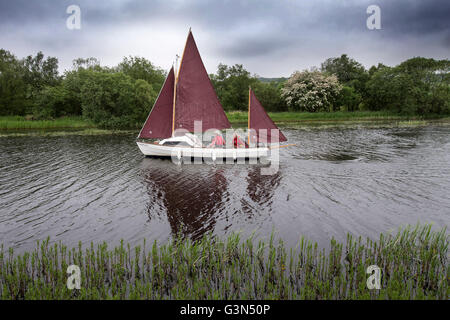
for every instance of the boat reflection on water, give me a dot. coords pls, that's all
(260, 190)
(191, 195)
(198, 199)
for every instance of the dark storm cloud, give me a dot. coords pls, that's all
(284, 19)
(20, 11)
(400, 16)
(236, 29)
(416, 17)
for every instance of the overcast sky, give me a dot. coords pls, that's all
(270, 38)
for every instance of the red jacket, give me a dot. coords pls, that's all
(218, 141)
(237, 142)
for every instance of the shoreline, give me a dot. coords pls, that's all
(19, 126)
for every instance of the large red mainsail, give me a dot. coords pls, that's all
(195, 96)
(259, 119)
(159, 121)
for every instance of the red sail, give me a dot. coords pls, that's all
(259, 119)
(159, 121)
(196, 99)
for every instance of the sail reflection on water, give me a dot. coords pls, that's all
(197, 199)
(261, 189)
(191, 196)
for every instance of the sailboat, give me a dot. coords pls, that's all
(188, 100)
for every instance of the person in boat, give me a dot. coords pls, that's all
(217, 141)
(237, 142)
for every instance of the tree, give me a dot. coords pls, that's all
(140, 68)
(439, 99)
(40, 72)
(348, 99)
(231, 84)
(311, 91)
(105, 95)
(121, 96)
(346, 69)
(350, 73)
(374, 69)
(51, 102)
(12, 86)
(115, 100)
(269, 94)
(145, 97)
(386, 90)
(86, 63)
(416, 86)
(75, 79)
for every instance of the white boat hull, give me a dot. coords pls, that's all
(157, 150)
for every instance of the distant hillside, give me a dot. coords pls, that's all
(272, 79)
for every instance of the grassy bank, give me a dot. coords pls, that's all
(235, 117)
(62, 132)
(413, 266)
(305, 117)
(19, 122)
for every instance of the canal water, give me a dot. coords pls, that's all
(333, 181)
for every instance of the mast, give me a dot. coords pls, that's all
(177, 74)
(248, 125)
(174, 94)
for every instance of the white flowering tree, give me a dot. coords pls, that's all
(311, 91)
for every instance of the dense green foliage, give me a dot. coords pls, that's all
(416, 86)
(413, 265)
(121, 96)
(232, 83)
(114, 100)
(21, 81)
(118, 97)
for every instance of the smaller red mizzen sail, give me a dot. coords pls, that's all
(259, 119)
(159, 121)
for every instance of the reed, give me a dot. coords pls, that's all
(10, 123)
(63, 132)
(413, 263)
(288, 117)
(19, 122)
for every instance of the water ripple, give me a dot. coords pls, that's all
(100, 188)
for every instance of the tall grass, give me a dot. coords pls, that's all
(62, 132)
(235, 117)
(413, 264)
(19, 122)
(241, 116)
